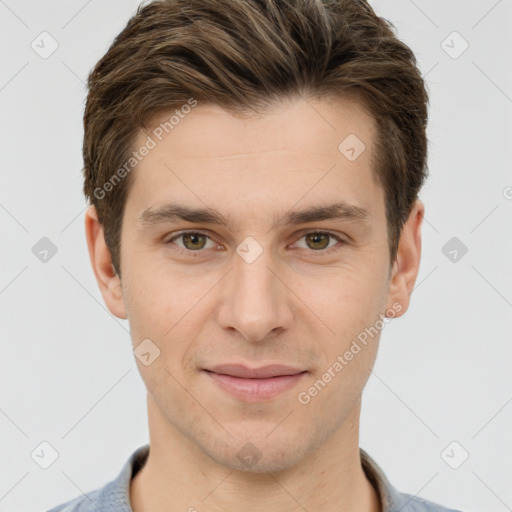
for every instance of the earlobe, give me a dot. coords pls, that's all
(407, 262)
(101, 261)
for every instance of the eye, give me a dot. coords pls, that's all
(196, 241)
(320, 240)
(192, 241)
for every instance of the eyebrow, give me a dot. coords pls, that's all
(172, 212)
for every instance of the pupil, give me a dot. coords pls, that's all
(315, 239)
(193, 238)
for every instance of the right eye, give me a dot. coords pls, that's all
(192, 241)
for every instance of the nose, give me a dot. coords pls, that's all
(255, 300)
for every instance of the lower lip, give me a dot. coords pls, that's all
(255, 390)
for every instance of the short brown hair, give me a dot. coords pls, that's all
(246, 55)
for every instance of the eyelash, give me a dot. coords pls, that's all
(319, 251)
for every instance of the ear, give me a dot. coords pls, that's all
(101, 262)
(407, 261)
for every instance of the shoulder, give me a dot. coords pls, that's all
(113, 497)
(87, 503)
(410, 503)
(392, 500)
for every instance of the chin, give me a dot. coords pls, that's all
(261, 454)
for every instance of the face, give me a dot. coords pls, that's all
(288, 264)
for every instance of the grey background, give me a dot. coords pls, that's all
(67, 373)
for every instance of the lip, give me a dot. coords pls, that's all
(264, 372)
(254, 389)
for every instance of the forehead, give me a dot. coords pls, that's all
(295, 125)
(303, 150)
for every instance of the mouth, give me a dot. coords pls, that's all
(258, 384)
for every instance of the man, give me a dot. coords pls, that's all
(253, 169)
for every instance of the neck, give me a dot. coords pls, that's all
(178, 475)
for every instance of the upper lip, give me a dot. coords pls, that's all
(264, 372)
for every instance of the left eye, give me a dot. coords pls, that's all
(195, 241)
(320, 240)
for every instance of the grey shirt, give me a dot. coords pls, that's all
(115, 496)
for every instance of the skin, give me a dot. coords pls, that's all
(292, 305)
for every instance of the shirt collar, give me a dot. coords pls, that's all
(391, 500)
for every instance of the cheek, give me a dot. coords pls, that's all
(166, 308)
(345, 358)
(351, 307)
(157, 313)
(153, 301)
(346, 299)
